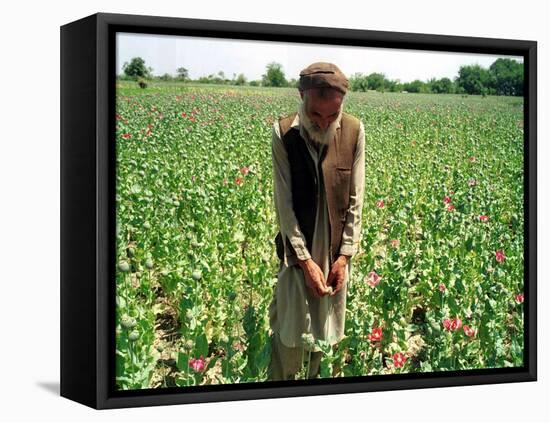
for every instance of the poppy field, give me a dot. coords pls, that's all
(437, 284)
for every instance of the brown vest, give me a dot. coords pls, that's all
(335, 166)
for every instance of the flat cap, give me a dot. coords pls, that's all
(323, 74)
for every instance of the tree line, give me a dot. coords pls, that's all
(503, 77)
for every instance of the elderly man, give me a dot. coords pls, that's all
(318, 178)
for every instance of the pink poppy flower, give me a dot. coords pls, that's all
(484, 218)
(469, 331)
(245, 170)
(197, 364)
(442, 287)
(456, 324)
(452, 324)
(450, 207)
(373, 279)
(394, 242)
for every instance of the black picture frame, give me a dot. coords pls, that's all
(87, 207)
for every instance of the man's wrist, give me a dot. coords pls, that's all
(343, 258)
(303, 263)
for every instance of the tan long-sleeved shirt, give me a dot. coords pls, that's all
(288, 223)
(294, 310)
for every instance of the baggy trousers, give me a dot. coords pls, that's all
(287, 362)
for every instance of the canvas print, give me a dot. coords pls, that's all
(291, 211)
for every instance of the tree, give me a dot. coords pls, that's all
(416, 86)
(375, 81)
(240, 80)
(183, 73)
(136, 68)
(474, 79)
(274, 77)
(166, 77)
(443, 85)
(294, 83)
(358, 82)
(507, 77)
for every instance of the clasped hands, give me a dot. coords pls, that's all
(315, 278)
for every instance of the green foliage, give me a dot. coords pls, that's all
(195, 224)
(274, 76)
(136, 69)
(507, 77)
(504, 77)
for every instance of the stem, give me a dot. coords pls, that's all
(303, 356)
(227, 357)
(163, 371)
(308, 364)
(131, 354)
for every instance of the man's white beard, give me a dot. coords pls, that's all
(315, 132)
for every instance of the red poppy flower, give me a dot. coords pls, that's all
(245, 170)
(126, 136)
(499, 255)
(184, 115)
(375, 335)
(394, 242)
(447, 200)
(380, 203)
(450, 207)
(520, 297)
(442, 287)
(238, 181)
(399, 359)
(484, 218)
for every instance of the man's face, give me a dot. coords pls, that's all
(321, 115)
(322, 111)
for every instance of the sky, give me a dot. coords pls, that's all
(203, 56)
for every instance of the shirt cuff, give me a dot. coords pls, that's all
(302, 253)
(348, 250)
